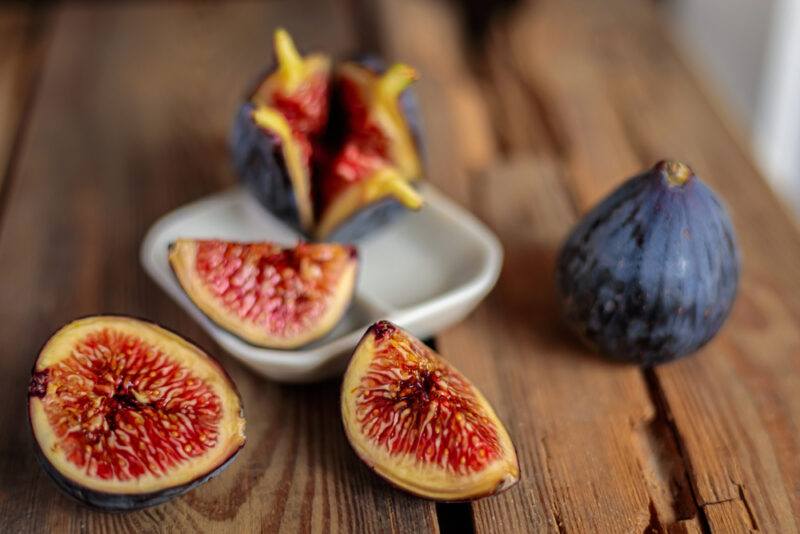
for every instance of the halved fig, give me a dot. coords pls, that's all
(330, 151)
(420, 424)
(268, 295)
(126, 414)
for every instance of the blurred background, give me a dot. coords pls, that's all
(747, 53)
(113, 114)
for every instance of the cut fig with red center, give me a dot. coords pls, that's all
(377, 119)
(298, 87)
(268, 295)
(126, 414)
(292, 106)
(420, 424)
(332, 152)
(378, 160)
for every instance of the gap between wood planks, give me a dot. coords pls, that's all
(663, 460)
(452, 517)
(675, 504)
(659, 442)
(27, 61)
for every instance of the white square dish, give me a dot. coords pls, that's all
(423, 272)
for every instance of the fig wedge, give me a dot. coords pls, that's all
(420, 424)
(275, 132)
(126, 414)
(268, 295)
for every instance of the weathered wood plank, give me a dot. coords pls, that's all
(21, 49)
(734, 406)
(576, 419)
(131, 121)
(586, 94)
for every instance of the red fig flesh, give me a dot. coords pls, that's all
(420, 424)
(127, 414)
(268, 295)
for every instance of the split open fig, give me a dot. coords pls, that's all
(268, 295)
(331, 149)
(650, 274)
(420, 424)
(126, 414)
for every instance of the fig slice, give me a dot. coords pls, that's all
(420, 424)
(291, 105)
(126, 414)
(370, 175)
(268, 295)
(296, 151)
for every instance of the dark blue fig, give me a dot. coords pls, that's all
(650, 274)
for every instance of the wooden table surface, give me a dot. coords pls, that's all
(112, 114)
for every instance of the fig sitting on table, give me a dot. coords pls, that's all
(333, 150)
(650, 274)
(126, 414)
(420, 424)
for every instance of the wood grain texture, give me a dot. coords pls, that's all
(529, 121)
(585, 94)
(734, 406)
(131, 121)
(572, 416)
(21, 51)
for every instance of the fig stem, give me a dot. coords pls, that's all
(676, 172)
(290, 62)
(395, 80)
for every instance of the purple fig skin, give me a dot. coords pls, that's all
(258, 160)
(368, 220)
(112, 502)
(651, 273)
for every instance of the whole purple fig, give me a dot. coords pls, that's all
(650, 274)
